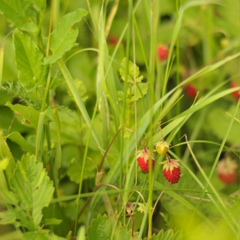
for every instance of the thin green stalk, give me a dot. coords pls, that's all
(178, 76)
(218, 202)
(125, 106)
(224, 141)
(1, 64)
(152, 66)
(78, 100)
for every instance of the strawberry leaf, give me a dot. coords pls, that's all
(18, 12)
(34, 191)
(129, 72)
(64, 37)
(31, 72)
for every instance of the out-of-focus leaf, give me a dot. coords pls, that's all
(168, 235)
(223, 120)
(141, 90)
(19, 139)
(7, 217)
(64, 37)
(31, 72)
(129, 71)
(19, 13)
(103, 227)
(26, 114)
(41, 235)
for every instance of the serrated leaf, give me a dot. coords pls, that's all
(129, 71)
(31, 72)
(18, 12)
(7, 217)
(64, 37)
(168, 235)
(34, 189)
(7, 197)
(141, 90)
(101, 229)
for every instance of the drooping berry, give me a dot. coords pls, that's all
(113, 40)
(143, 158)
(171, 170)
(191, 90)
(162, 147)
(163, 52)
(227, 171)
(235, 94)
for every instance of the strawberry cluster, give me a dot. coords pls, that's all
(171, 167)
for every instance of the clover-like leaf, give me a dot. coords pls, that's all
(130, 72)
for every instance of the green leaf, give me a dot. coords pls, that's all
(41, 235)
(7, 217)
(104, 228)
(20, 140)
(7, 197)
(34, 190)
(223, 120)
(168, 235)
(100, 229)
(52, 221)
(129, 71)
(141, 90)
(25, 114)
(31, 72)
(81, 233)
(4, 163)
(19, 13)
(64, 37)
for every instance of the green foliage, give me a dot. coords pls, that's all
(23, 13)
(32, 73)
(82, 91)
(167, 235)
(32, 190)
(65, 35)
(105, 228)
(130, 73)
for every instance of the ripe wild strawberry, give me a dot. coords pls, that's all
(227, 170)
(191, 90)
(171, 170)
(113, 40)
(162, 147)
(235, 94)
(143, 157)
(163, 52)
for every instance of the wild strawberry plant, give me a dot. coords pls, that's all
(84, 84)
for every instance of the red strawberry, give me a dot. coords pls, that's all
(235, 94)
(162, 147)
(228, 170)
(171, 170)
(163, 52)
(113, 40)
(143, 160)
(191, 90)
